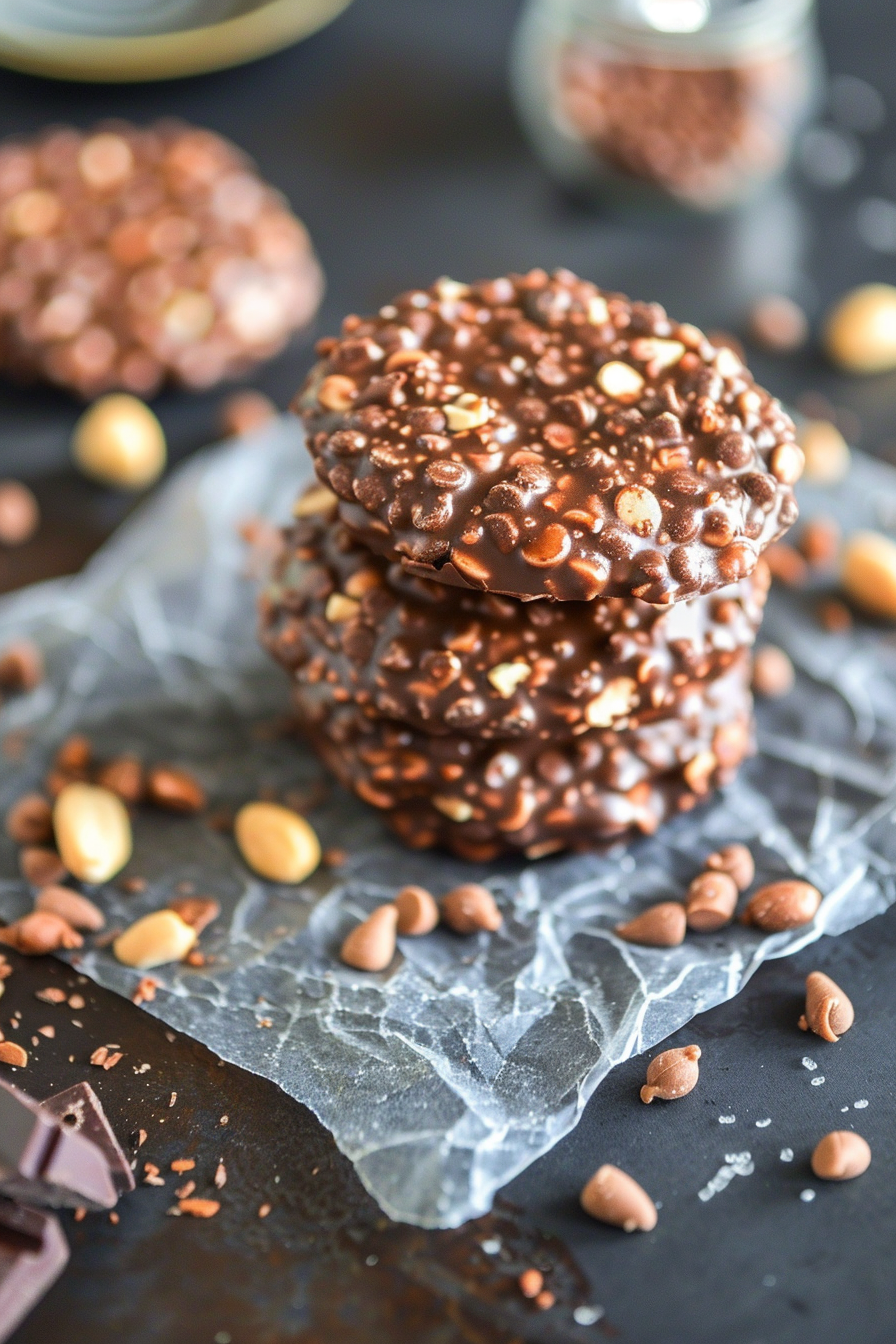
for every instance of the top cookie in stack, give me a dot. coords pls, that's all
(537, 437)
(519, 615)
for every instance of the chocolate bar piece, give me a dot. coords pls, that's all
(79, 1109)
(33, 1253)
(42, 1161)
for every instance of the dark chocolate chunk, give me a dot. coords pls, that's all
(33, 1253)
(79, 1109)
(43, 1162)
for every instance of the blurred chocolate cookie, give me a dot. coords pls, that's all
(132, 256)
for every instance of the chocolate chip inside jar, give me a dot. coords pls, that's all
(133, 256)
(444, 661)
(534, 436)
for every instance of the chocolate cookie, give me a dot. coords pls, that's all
(537, 437)
(444, 661)
(481, 799)
(131, 256)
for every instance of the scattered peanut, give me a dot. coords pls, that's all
(531, 1282)
(869, 573)
(199, 1208)
(788, 904)
(371, 945)
(672, 1074)
(735, 860)
(820, 541)
(93, 832)
(825, 450)
(71, 906)
(471, 908)
(860, 332)
(21, 666)
(276, 842)
(612, 1196)
(176, 790)
(119, 442)
(829, 1012)
(197, 911)
(39, 933)
(773, 674)
(19, 513)
(778, 324)
(662, 925)
(30, 820)
(124, 777)
(154, 940)
(841, 1156)
(12, 1053)
(245, 411)
(40, 866)
(417, 911)
(710, 901)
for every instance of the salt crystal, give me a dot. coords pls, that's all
(809, 1063)
(492, 1246)
(817, 1082)
(736, 1164)
(786, 1154)
(763, 1124)
(807, 1196)
(860, 1105)
(769, 1281)
(727, 1119)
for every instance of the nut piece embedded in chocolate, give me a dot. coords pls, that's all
(612, 1196)
(672, 1074)
(710, 901)
(735, 860)
(788, 904)
(662, 925)
(536, 437)
(371, 945)
(471, 908)
(829, 1012)
(417, 911)
(841, 1156)
(132, 256)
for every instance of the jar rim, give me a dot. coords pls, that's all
(730, 25)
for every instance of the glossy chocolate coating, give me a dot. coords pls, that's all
(78, 1108)
(537, 437)
(481, 799)
(445, 661)
(43, 1161)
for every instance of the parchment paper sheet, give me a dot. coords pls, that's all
(445, 1076)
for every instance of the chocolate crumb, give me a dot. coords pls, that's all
(834, 616)
(80, 1214)
(182, 1164)
(114, 1218)
(50, 995)
(77, 1002)
(199, 1208)
(531, 1282)
(184, 1191)
(264, 1210)
(220, 1176)
(172, 1099)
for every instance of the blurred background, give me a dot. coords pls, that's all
(394, 135)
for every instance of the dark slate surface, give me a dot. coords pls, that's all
(392, 135)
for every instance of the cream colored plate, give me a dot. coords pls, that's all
(191, 51)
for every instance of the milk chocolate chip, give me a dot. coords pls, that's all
(672, 1074)
(662, 925)
(612, 1196)
(841, 1156)
(783, 905)
(829, 1012)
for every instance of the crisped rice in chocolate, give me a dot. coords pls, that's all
(538, 437)
(482, 798)
(346, 623)
(132, 256)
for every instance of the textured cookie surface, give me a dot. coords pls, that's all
(129, 257)
(537, 437)
(447, 661)
(481, 799)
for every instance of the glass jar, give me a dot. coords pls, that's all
(691, 101)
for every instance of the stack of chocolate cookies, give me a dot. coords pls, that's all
(518, 611)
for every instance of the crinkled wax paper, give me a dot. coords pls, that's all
(446, 1075)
